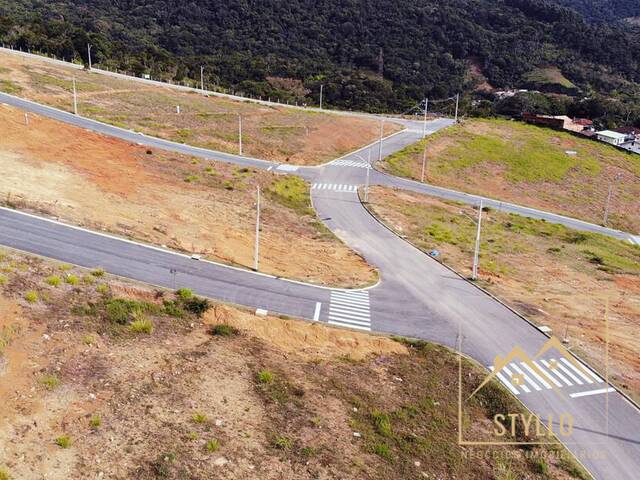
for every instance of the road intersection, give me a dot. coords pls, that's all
(416, 296)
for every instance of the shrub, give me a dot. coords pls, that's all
(95, 422)
(49, 381)
(283, 443)
(72, 279)
(3, 281)
(121, 310)
(89, 340)
(64, 267)
(141, 325)
(31, 296)
(98, 272)
(173, 309)
(223, 330)
(184, 293)
(103, 288)
(213, 445)
(53, 280)
(382, 423)
(4, 475)
(265, 376)
(88, 280)
(63, 441)
(199, 418)
(197, 306)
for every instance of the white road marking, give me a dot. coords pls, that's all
(592, 392)
(554, 371)
(287, 168)
(349, 163)
(573, 377)
(505, 382)
(526, 377)
(537, 377)
(510, 375)
(336, 187)
(316, 313)
(350, 309)
(572, 367)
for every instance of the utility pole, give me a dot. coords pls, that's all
(321, 87)
(26, 118)
(615, 181)
(424, 163)
(89, 54)
(476, 253)
(457, 103)
(240, 133)
(202, 78)
(256, 252)
(75, 97)
(366, 188)
(424, 128)
(381, 135)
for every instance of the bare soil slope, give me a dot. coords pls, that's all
(273, 133)
(89, 393)
(165, 199)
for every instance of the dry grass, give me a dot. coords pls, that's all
(272, 133)
(106, 184)
(182, 404)
(555, 276)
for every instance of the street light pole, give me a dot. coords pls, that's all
(616, 180)
(256, 252)
(240, 133)
(321, 87)
(366, 188)
(457, 103)
(476, 253)
(424, 163)
(424, 128)
(381, 135)
(89, 54)
(75, 98)
(202, 78)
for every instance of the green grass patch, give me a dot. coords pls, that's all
(95, 422)
(141, 325)
(63, 441)
(31, 296)
(53, 280)
(12, 88)
(291, 192)
(223, 330)
(548, 76)
(49, 381)
(213, 446)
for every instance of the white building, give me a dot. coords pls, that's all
(614, 138)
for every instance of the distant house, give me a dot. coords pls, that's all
(560, 122)
(632, 133)
(609, 136)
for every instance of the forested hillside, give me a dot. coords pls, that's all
(374, 55)
(604, 10)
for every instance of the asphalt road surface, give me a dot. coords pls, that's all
(416, 296)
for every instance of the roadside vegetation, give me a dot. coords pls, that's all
(214, 390)
(555, 276)
(187, 204)
(529, 165)
(272, 133)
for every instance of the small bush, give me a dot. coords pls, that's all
(382, 423)
(382, 450)
(199, 418)
(98, 272)
(121, 310)
(213, 445)
(282, 443)
(3, 281)
(265, 377)
(197, 306)
(4, 475)
(184, 293)
(72, 279)
(88, 280)
(141, 325)
(172, 309)
(223, 330)
(64, 267)
(89, 340)
(95, 422)
(31, 296)
(103, 288)
(53, 280)
(63, 441)
(49, 381)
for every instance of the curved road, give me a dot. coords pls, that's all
(416, 297)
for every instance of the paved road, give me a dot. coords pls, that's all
(416, 297)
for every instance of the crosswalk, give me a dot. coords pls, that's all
(350, 309)
(520, 377)
(336, 187)
(350, 163)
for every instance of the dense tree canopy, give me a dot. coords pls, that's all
(421, 47)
